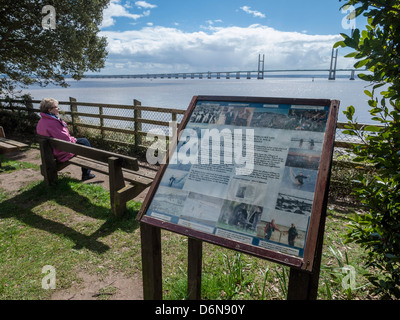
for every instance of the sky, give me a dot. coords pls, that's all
(171, 36)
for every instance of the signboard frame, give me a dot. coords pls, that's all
(317, 217)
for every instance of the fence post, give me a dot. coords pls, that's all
(174, 116)
(174, 132)
(137, 114)
(11, 105)
(73, 109)
(27, 100)
(101, 122)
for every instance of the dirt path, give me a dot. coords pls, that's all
(114, 286)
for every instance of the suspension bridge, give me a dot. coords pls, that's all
(260, 73)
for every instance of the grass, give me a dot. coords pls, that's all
(70, 227)
(8, 165)
(231, 275)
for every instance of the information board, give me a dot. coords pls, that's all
(249, 174)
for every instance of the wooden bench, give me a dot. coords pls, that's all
(8, 145)
(119, 168)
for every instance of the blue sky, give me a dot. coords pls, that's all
(157, 36)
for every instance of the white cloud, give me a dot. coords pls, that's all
(159, 49)
(211, 22)
(145, 5)
(255, 13)
(115, 9)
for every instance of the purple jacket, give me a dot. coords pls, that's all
(50, 126)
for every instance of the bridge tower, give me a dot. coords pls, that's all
(332, 69)
(260, 74)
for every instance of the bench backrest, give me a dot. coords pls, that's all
(88, 152)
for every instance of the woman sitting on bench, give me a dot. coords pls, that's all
(50, 125)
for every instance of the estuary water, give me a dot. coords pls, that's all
(177, 93)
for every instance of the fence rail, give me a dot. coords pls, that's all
(123, 124)
(128, 124)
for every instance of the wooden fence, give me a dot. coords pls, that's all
(133, 125)
(129, 127)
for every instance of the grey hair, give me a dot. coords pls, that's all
(47, 103)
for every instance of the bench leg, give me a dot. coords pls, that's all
(48, 168)
(118, 205)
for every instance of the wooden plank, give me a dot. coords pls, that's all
(299, 285)
(96, 127)
(2, 134)
(322, 185)
(92, 153)
(97, 105)
(302, 284)
(129, 192)
(94, 115)
(87, 163)
(13, 143)
(136, 177)
(6, 146)
(161, 110)
(346, 145)
(155, 122)
(358, 126)
(48, 167)
(278, 257)
(118, 205)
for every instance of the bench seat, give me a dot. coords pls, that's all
(119, 168)
(8, 145)
(129, 175)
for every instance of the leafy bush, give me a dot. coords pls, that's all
(20, 122)
(377, 229)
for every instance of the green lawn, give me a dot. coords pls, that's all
(70, 227)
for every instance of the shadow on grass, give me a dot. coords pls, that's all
(22, 206)
(3, 167)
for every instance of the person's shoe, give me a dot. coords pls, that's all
(88, 176)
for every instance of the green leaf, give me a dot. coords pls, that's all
(356, 35)
(351, 110)
(351, 55)
(368, 93)
(349, 132)
(372, 129)
(339, 44)
(345, 36)
(378, 85)
(366, 77)
(361, 63)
